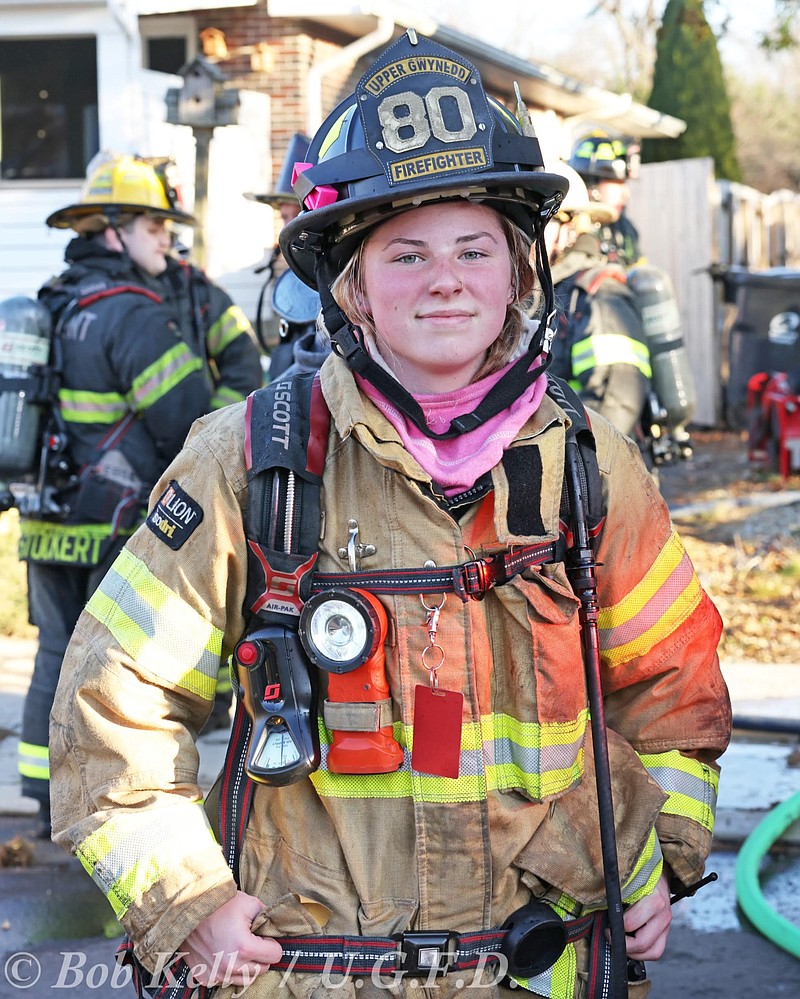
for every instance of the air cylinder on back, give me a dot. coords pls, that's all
(673, 381)
(24, 351)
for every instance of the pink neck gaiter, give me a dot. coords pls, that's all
(456, 464)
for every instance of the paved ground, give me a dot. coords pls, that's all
(56, 930)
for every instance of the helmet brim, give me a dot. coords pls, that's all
(520, 195)
(64, 218)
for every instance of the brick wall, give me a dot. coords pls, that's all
(296, 47)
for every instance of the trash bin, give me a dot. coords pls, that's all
(765, 333)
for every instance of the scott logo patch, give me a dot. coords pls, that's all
(175, 516)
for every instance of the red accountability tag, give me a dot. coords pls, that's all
(437, 731)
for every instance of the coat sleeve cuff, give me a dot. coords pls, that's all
(685, 845)
(166, 935)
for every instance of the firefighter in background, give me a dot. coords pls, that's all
(606, 164)
(444, 450)
(130, 389)
(295, 306)
(600, 345)
(215, 328)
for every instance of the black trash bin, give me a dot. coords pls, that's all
(765, 333)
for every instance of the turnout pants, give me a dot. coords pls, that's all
(56, 596)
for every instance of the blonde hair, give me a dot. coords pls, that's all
(350, 295)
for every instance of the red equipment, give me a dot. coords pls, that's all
(344, 633)
(773, 421)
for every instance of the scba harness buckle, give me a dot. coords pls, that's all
(426, 952)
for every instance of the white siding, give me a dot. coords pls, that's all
(30, 253)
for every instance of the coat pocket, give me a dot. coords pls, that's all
(565, 851)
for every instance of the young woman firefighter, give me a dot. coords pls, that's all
(410, 799)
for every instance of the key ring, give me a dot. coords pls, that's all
(433, 670)
(432, 623)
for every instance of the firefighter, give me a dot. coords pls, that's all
(130, 390)
(606, 164)
(600, 345)
(216, 329)
(294, 305)
(442, 461)
(303, 344)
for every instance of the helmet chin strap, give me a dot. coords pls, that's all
(348, 343)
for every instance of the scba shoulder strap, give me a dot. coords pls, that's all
(286, 439)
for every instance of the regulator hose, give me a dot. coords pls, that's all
(748, 889)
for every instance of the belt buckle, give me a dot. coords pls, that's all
(425, 952)
(479, 575)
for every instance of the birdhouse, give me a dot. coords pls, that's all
(203, 101)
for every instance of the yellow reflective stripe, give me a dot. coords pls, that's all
(70, 544)
(232, 323)
(646, 873)
(692, 786)
(33, 761)
(541, 759)
(163, 634)
(558, 982)
(130, 853)
(225, 396)
(497, 753)
(654, 609)
(160, 377)
(224, 682)
(610, 348)
(91, 407)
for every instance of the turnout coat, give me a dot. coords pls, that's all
(379, 854)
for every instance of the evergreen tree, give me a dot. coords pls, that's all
(688, 83)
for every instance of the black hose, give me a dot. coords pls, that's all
(754, 723)
(580, 569)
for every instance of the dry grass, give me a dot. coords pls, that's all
(14, 591)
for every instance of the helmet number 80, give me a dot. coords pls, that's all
(423, 117)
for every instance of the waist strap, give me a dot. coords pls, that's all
(414, 953)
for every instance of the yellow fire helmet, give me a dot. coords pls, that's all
(124, 185)
(577, 201)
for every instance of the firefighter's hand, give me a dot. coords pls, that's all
(647, 924)
(224, 950)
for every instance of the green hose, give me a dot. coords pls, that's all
(748, 890)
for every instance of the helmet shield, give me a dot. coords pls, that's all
(294, 301)
(419, 127)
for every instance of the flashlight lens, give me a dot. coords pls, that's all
(338, 631)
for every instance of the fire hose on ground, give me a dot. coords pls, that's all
(748, 888)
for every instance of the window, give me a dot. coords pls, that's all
(48, 108)
(166, 55)
(168, 43)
